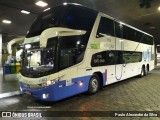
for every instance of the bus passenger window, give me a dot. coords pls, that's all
(103, 58)
(118, 30)
(72, 49)
(132, 57)
(106, 26)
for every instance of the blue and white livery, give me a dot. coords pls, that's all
(71, 49)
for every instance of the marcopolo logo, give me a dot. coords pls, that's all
(6, 114)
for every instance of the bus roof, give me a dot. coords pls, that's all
(95, 11)
(82, 6)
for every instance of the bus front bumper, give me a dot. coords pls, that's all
(48, 93)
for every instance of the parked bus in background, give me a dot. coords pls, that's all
(81, 50)
(158, 54)
(19, 41)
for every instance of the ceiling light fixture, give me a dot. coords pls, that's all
(152, 27)
(41, 3)
(65, 3)
(159, 8)
(25, 12)
(6, 21)
(47, 9)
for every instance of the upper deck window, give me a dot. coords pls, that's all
(70, 16)
(106, 26)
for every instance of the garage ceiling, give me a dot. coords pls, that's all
(128, 11)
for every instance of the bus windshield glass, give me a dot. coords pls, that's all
(37, 62)
(69, 16)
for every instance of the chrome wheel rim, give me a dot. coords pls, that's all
(94, 85)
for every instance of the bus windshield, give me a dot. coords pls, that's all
(69, 16)
(38, 62)
(61, 52)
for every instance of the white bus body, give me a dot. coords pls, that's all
(79, 63)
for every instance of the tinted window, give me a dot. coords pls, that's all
(148, 40)
(106, 26)
(81, 19)
(51, 18)
(118, 56)
(115, 57)
(139, 36)
(99, 59)
(72, 50)
(129, 33)
(106, 58)
(52, 42)
(131, 57)
(118, 30)
(70, 16)
(134, 35)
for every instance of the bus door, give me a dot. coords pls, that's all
(119, 49)
(68, 60)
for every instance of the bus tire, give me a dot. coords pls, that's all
(142, 72)
(94, 84)
(146, 71)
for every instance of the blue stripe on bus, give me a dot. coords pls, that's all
(57, 93)
(60, 91)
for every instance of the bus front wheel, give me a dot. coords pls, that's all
(93, 84)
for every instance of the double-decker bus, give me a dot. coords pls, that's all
(71, 49)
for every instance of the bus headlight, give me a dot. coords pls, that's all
(48, 83)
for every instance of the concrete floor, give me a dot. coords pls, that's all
(134, 94)
(8, 84)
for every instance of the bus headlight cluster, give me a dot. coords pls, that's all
(48, 83)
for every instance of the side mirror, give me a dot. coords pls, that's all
(46, 34)
(53, 32)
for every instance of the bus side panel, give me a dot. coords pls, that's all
(60, 90)
(78, 85)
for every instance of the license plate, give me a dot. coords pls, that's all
(28, 93)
